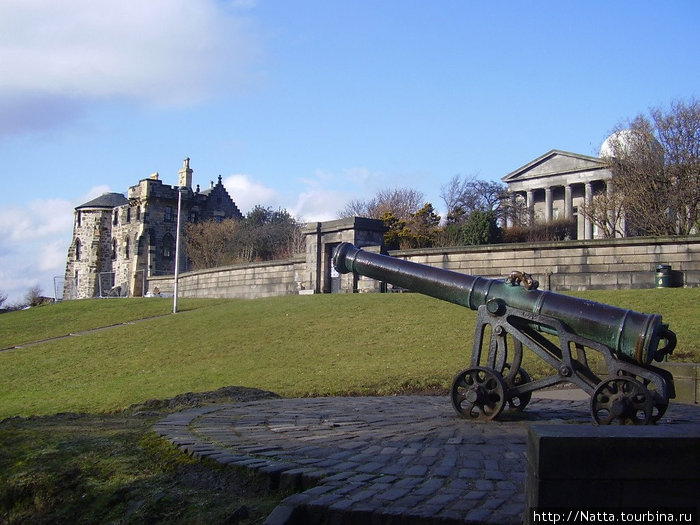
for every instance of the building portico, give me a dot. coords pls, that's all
(555, 186)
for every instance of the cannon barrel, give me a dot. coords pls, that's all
(627, 333)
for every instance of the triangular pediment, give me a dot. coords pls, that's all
(552, 163)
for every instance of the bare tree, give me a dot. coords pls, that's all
(463, 196)
(33, 297)
(606, 211)
(655, 162)
(3, 298)
(268, 234)
(679, 134)
(210, 243)
(263, 235)
(402, 203)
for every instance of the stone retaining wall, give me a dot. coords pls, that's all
(559, 266)
(573, 265)
(249, 281)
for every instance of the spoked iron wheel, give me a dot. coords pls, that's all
(659, 404)
(478, 393)
(623, 401)
(520, 377)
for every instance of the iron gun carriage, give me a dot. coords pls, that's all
(562, 330)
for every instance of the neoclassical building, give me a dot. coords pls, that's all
(119, 241)
(555, 186)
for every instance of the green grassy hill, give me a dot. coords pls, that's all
(111, 467)
(293, 345)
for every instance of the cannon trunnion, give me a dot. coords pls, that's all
(561, 330)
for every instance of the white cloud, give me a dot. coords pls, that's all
(93, 193)
(53, 256)
(59, 55)
(319, 205)
(38, 219)
(247, 193)
(34, 240)
(326, 193)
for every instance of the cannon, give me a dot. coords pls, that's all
(564, 331)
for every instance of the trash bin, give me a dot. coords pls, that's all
(664, 276)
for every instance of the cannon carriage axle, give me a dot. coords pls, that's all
(563, 331)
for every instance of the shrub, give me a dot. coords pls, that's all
(559, 230)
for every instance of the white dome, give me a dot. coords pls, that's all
(626, 141)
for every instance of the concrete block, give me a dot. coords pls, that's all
(614, 466)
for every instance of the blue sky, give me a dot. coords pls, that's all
(305, 105)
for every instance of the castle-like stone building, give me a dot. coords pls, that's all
(119, 242)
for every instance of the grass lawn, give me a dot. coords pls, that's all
(292, 345)
(36, 324)
(112, 468)
(76, 453)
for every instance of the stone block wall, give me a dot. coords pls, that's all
(249, 281)
(573, 265)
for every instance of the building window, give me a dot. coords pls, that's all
(79, 218)
(138, 213)
(114, 249)
(128, 215)
(168, 246)
(115, 220)
(168, 214)
(77, 249)
(127, 248)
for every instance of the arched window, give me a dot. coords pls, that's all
(168, 244)
(77, 249)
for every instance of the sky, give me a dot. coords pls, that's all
(306, 105)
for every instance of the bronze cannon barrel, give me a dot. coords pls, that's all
(627, 333)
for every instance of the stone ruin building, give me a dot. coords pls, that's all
(118, 242)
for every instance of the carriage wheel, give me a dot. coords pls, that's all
(478, 393)
(623, 401)
(518, 401)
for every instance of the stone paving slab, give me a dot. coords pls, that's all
(397, 459)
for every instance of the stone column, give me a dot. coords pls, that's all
(568, 202)
(587, 224)
(510, 216)
(531, 206)
(548, 204)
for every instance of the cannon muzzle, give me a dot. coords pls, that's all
(628, 334)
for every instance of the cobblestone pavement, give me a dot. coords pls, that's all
(402, 459)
